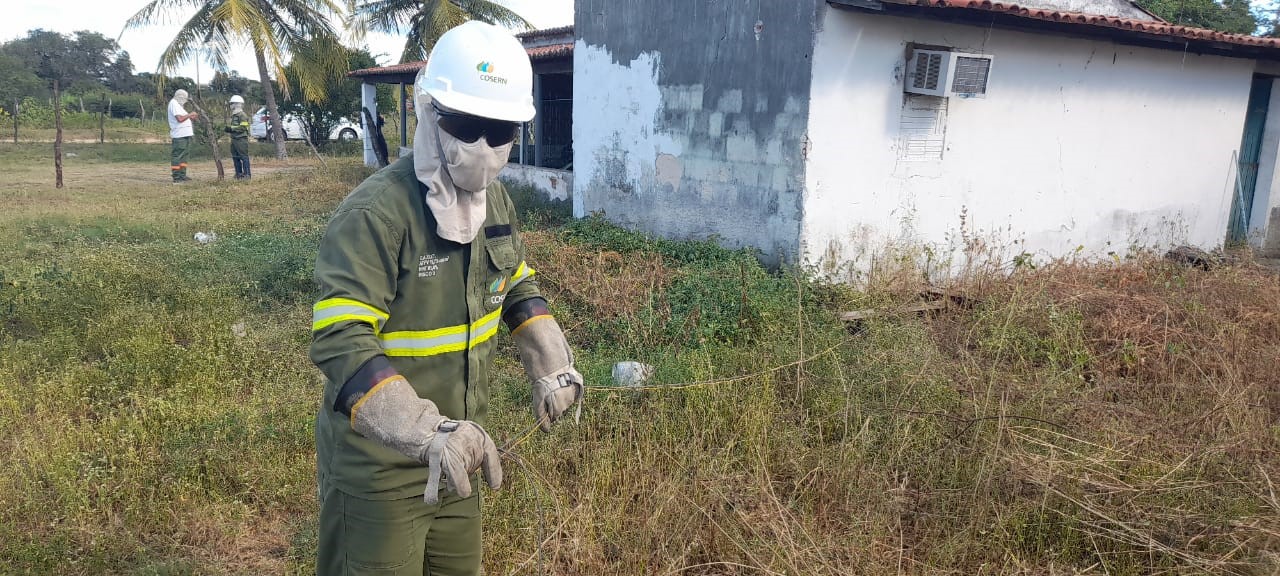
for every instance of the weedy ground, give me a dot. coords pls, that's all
(156, 412)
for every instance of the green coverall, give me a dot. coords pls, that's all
(239, 130)
(178, 158)
(391, 286)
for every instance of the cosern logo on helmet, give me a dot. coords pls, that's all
(486, 73)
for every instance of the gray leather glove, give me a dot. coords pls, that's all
(548, 362)
(393, 414)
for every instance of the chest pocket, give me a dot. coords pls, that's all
(502, 263)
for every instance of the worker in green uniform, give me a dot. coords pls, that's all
(239, 130)
(419, 266)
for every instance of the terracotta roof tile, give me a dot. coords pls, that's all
(552, 51)
(545, 32)
(1132, 25)
(392, 69)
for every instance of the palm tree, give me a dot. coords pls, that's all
(426, 20)
(275, 29)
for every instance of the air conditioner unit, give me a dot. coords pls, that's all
(942, 73)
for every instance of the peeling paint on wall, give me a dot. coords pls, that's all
(623, 153)
(552, 183)
(704, 144)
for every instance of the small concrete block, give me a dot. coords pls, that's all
(773, 151)
(730, 102)
(742, 148)
(781, 122)
(672, 98)
(744, 174)
(781, 178)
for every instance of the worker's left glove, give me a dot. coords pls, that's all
(393, 414)
(549, 364)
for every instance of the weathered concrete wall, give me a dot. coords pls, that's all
(554, 184)
(689, 121)
(1078, 143)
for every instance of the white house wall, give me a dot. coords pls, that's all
(1078, 143)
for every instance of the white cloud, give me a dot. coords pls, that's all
(145, 45)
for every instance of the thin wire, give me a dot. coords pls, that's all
(542, 516)
(719, 381)
(507, 450)
(507, 453)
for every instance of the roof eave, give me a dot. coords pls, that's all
(979, 15)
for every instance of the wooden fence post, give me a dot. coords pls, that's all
(102, 122)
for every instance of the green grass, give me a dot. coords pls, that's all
(157, 408)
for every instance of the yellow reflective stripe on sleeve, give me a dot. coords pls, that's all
(522, 273)
(334, 310)
(441, 340)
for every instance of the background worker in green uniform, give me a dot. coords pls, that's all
(418, 267)
(239, 131)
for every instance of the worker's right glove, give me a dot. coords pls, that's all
(548, 362)
(393, 414)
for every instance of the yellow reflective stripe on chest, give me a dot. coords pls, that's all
(441, 340)
(522, 273)
(334, 310)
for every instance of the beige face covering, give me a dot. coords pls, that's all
(456, 174)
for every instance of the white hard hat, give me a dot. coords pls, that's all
(236, 100)
(479, 69)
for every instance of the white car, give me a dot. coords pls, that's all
(345, 130)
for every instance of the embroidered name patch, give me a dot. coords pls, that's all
(429, 265)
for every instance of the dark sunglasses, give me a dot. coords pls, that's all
(468, 128)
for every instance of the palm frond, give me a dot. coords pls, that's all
(317, 64)
(389, 16)
(493, 13)
(187, 42)
(157, 12)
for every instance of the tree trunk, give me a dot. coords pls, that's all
(269, 94)
(142, 112)
(102, 123)
(213, 139)
(57, 138)
(15, 120)
(82, 104)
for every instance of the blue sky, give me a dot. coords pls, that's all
(145, 45)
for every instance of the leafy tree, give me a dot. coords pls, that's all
(234, 83)
(60, 61)
(19, 81)
(274, 29)
(1234, 16)
(320, 118)
(120, 76)
(424, 21)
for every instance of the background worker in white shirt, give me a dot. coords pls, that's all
(181, 131)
